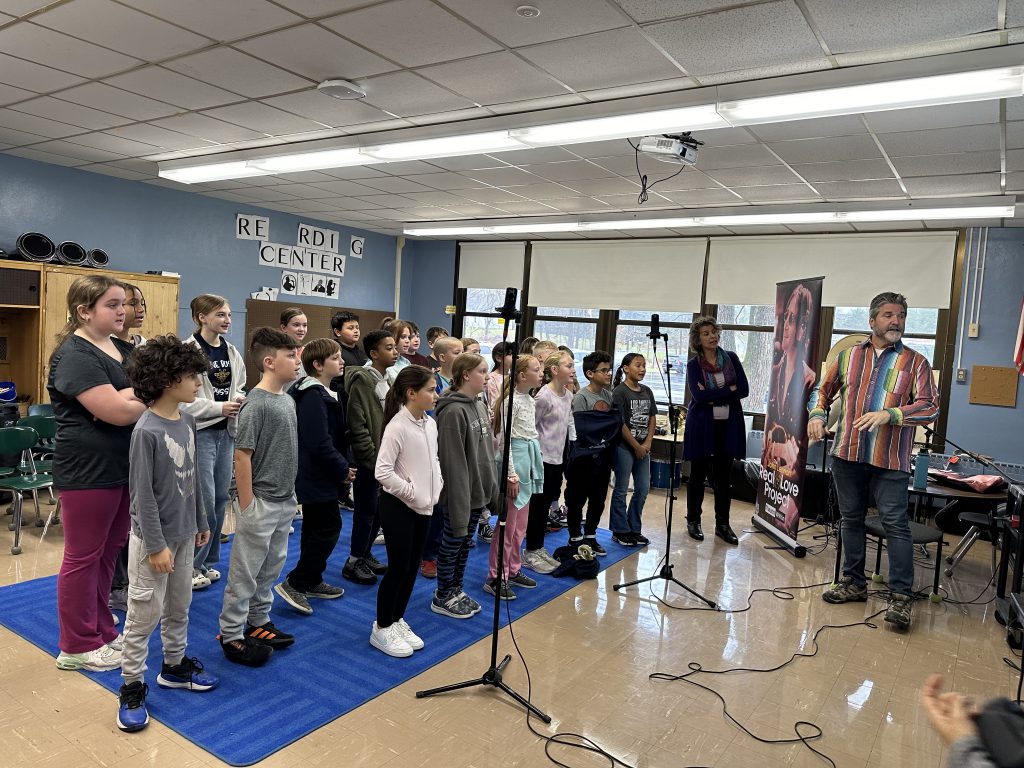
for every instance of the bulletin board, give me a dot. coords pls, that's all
(260, 313)
(994, 385)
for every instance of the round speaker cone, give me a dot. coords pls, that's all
(35, 246)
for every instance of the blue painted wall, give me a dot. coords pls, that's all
(988, 429)
(428, 280)
(147, 227)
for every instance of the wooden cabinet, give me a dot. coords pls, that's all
(30, 329)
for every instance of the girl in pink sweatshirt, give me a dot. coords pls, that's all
(410, 478)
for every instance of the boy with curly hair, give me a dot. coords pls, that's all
(168, 524)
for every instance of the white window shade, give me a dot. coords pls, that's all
(491, 265)
(744, 270)
(658, 275)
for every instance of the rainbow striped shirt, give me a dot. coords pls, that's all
(898, 380)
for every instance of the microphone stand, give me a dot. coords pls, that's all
(665, 572)
(969, 454)
(494, 674)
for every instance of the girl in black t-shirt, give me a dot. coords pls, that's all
(95, 409)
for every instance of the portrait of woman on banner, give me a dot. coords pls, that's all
(791, 383)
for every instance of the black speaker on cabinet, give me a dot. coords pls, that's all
(19, 287)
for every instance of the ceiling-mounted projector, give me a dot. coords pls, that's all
(678, 148)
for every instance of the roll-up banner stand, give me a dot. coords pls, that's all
(784, 451)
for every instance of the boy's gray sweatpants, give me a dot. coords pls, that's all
(258, 553)
(154, 598)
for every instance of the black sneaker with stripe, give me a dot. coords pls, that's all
(270, 635)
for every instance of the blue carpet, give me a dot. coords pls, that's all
(330, 670)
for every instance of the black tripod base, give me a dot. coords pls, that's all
(666, 574)
(492, 677)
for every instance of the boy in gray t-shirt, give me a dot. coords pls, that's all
(266, 454)
(168, 523)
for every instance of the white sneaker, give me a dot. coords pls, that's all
(199, 581)
(298, 513)
(550, 560)
(212, 574)
(117, 644)
(389, 641)
(534, 560)
(114, 617)
(291, 529)
(102, 659)
(405, 632)
(379, 539)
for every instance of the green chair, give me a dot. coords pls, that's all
(16, 440)
(46, 428)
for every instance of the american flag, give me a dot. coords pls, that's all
(1018, 347)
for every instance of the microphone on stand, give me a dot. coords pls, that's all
(655, 333)
(508, 309)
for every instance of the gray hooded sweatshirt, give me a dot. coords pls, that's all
(466, 453)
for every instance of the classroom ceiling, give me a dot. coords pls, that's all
(114, 86)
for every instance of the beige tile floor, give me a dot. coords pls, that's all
(590, 653)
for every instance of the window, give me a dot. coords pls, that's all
(481, 320)
(631, 335)
(748, 330)
(922, 325)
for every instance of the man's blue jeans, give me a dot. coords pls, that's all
(857, 484)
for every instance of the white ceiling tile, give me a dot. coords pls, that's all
(343, 187)
(327, 110)
(943, 165)
(872, 24)
(34, 77)
(1015, 134)
(464, 163)
(41, 126)
(848, 170)
(504, 177)
(9, 94)
(926, 118)
(1014, 157)
(474, 209)
(823, 150)
(603, 59)
(427, 33)
(14, 138)
(626, 166)
(578, 169)
(395, 185)
(261, 117)
(1015, 182)
(777, 193)
(778, 69)
(223, 20)
(428, 212)
(453, 116)
(668, 180)
(353, 172)
(546, 190)
(658, 10)
(610, 148)
(409, 168)
(73, 114)
(953, 186)
(885, 226)
(579, 204)
(122, 29)
(493, 195)
(858, 190)
(237, 72)
(44, 46)
(698, 197)
(769, 174)
(557, 20)
(773, 229)
(31, 153)
(676, 83)
(22, 7)
(406, 93)
(526, 208)
(86, 154)
(117, 102)
(315, 8)
(110, 170)
(117, 144)
(205, 127)
(524, 157)
(974, 41)
(725, 137)
(943, 141)
(735, 157)
(529, 105)
(822, 127)
(1015, 13)
(475, 79)
(436, 197)
(1014, 107)
(611, 186)
(815, 228)
(159, 137)
(315, 53)
(173, 88)
(772, 33)
(958, 223)
(444, 181)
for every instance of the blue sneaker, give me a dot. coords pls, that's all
(132, 714)
(189, 674)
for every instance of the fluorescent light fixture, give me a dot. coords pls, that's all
(981, 85)
(197, 174)
(621, 126)
(725, 220)
(446, 146)
(309, 161)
